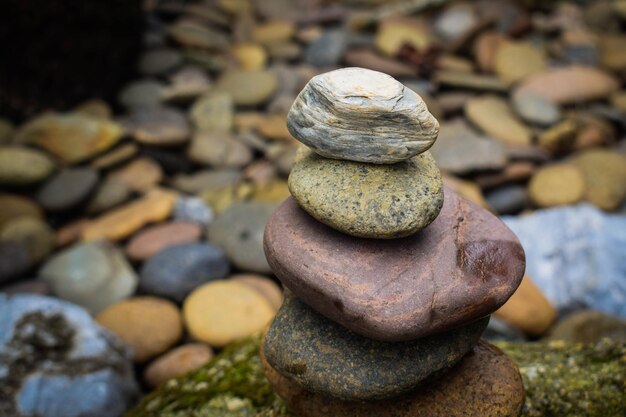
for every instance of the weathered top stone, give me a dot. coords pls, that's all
(362, 115)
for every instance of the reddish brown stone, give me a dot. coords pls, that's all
(463, 266)
(485, 383)
(156, 238)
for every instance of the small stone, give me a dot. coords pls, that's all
(248, 88)
(161, 126)
(176, 271)
(264, 285)
(186, 84)
(159, 61)
(149, 325)
(460, 150)
(93, 275)
(196, 35)
(604, 173)
(194, 210)
(508, 199)
(485, 383)
(222, 312)
(141, 174)
(154, 206)
(213, 112)
(395, 32)
(13, 206)
(515, 61)
(528, 309)
(371, 201)
(115, 156)
(250, 56)
(67, 189)
(485, 48)
(362, 115)
(479, 82)
(142, 94)
(109, 194)
(366, 58)
(589, 326)
(557, 185)
(456, 21)
(23, 166)
(177, 362)
(33, 233)
(478, 263)
(536, 109)
(206, 179)
(494, 116)
(72, 137)
(327, 50)
(570, 85)
(273, 32)
(321, 356)
(238, 230)
(57, 361)
(219, 150)
(152, 240)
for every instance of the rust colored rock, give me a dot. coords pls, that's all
(485, 383)
(463, 266)
(156, 238)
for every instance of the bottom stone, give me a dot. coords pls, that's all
(485, 383)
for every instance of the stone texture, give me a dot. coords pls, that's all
(177, 362)
(321, 356)
(154, 206)
(367, 200)
(361, 115)
(93, 275)
(149, 325)
(493, 115)
(222, 312)
(238, 230)
(23, 166)
(67, 189)
(57, 362)
(557, 185)
(485, 383)
(528, 309)
(474, 265)
(570, 85)
(154, 239)
(176, 271)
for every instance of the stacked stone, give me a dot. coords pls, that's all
(388, 285)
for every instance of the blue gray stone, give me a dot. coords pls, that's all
(576, 256)
(194, 210)
(176, 271)
(56, 361)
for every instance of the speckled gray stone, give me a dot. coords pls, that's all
(324, 357)
(368, 200)
(362, 115)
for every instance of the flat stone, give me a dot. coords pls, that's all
(395, 32)
(109, 194)
(67, 189)
(222, 312)
(141, 174)
(321, 356)
(474, 265)
(493, 115)
(604, 173)
(470, 81)
(250, 56)
(32, 232)
(515, 61)
(58, 362)
(557, 185)
(367, 200)
(177, 362)
(220, 150)
(213, 112)
(23, 166)
(71, 137)
(186, 84)
(264, 285)
(589, 326)
(13, 206)
(193, 210)
(485, 383)
(141, 94)
(361, 115)
(196, 35)
(149, 325)
(154, 239)
(156, 205)
(159, 61)
(460, 150)
(456, 21)
(536, 109)
(93, 275)
(161, 126)
(176, 271)
(239, 231)
(248, 88)
(570, 85)
(115, 156)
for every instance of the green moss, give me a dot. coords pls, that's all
(571, 380)
(561, 379)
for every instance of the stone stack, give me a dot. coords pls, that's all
(389, 286)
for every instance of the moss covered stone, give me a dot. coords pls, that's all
(560, 379)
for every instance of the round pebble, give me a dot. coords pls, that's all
(248, 88)
(67, 189)
(31, 232)
(536, 109)
(177, 362)
(149, 325)
(557, 185)
(23, 166)
(219, 313)
(152, 240)
(264, 285)
(605, 175)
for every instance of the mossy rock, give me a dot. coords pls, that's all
(560, 379)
